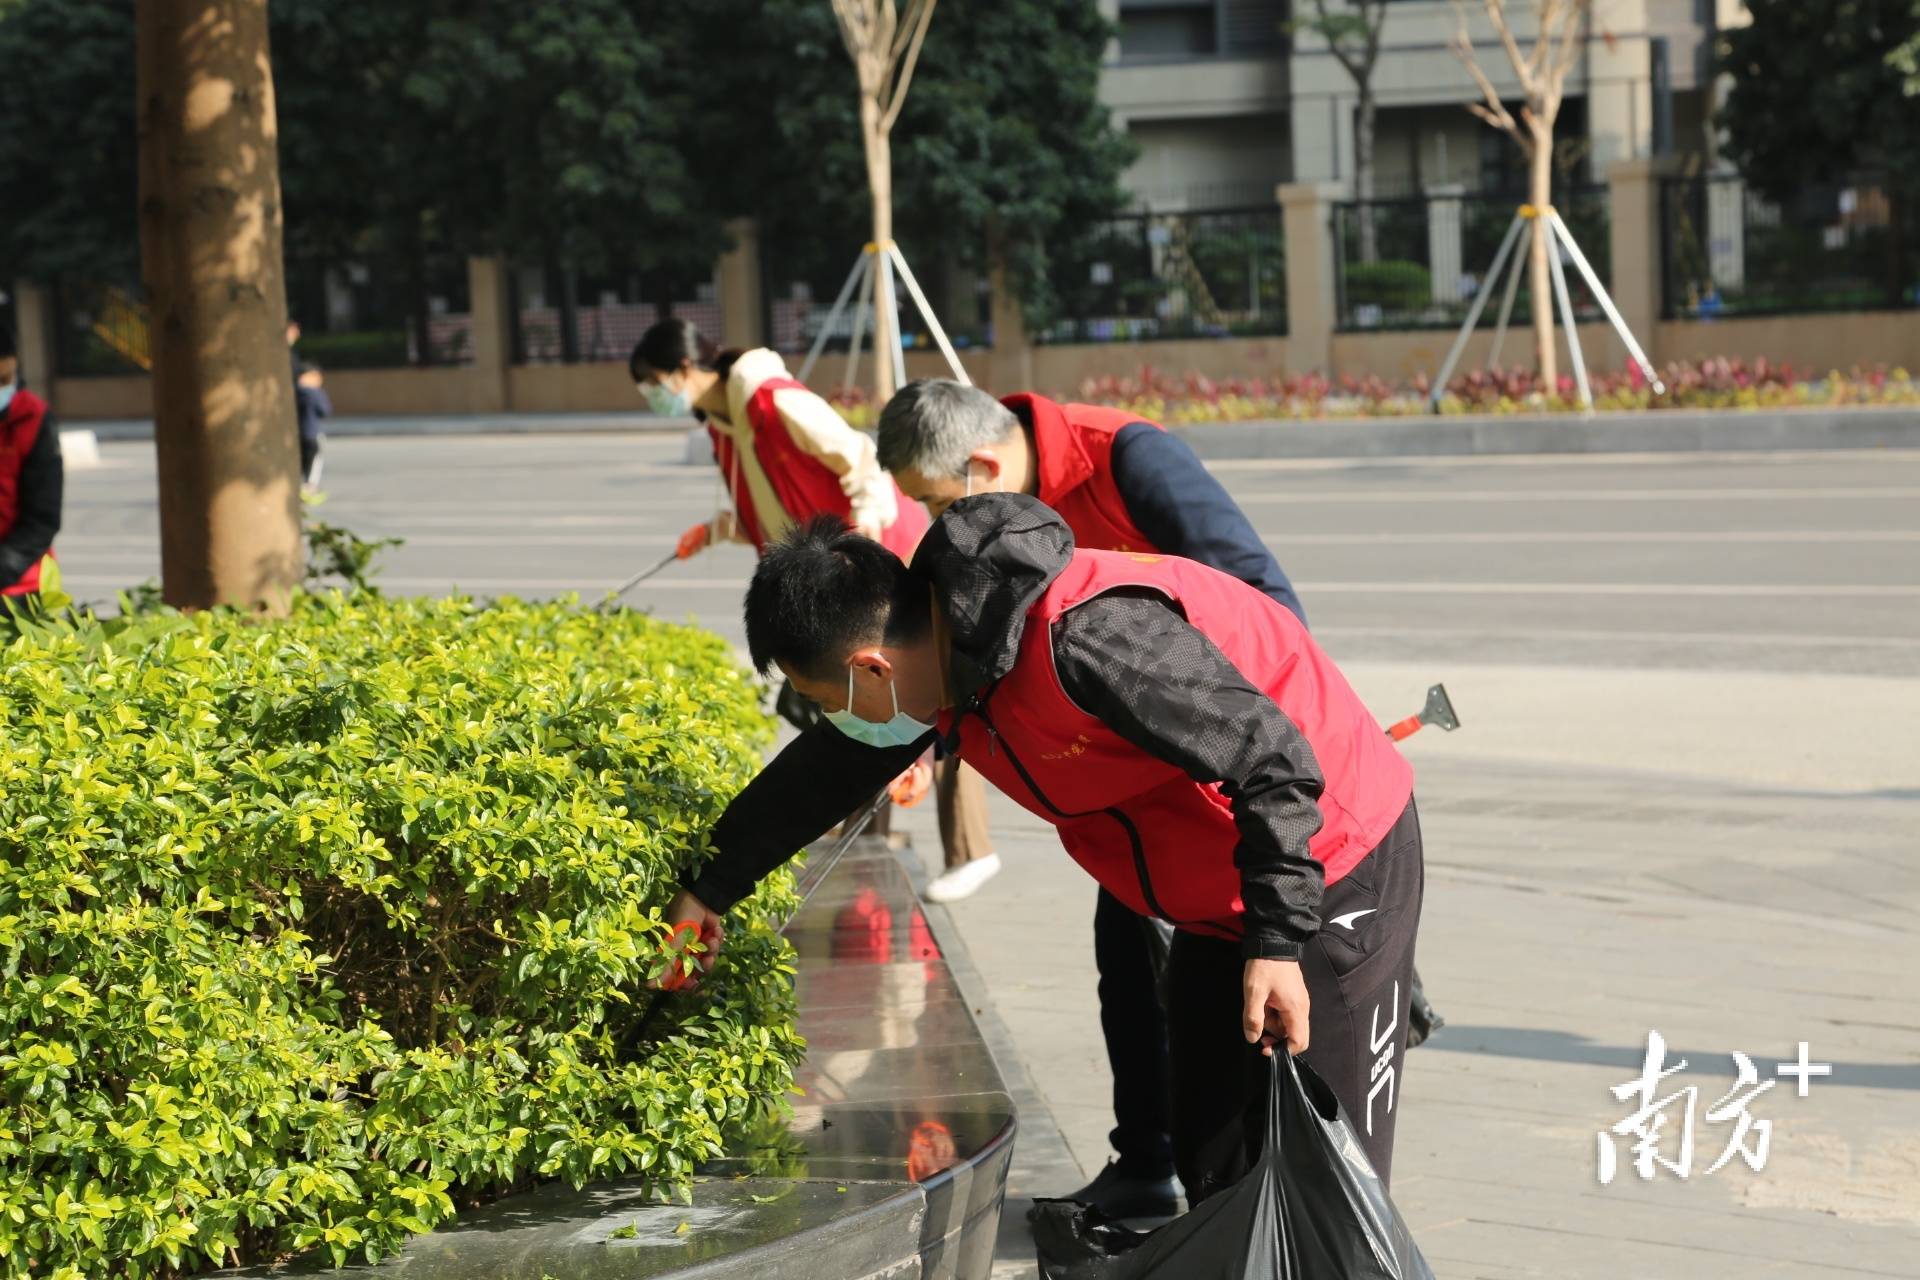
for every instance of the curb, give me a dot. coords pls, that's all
(496, 424)
(1661, 431)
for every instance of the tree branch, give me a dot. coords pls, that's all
(922, 14)
(1549, 10)
(1497, 13)
(1569, 49)
(851, 17)
(1494, 112)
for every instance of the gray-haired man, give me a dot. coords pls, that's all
(1122, 484)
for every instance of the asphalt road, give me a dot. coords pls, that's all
(1807, 562)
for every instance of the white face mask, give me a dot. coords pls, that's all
(666, 401)
(6, 394)
(901, 731)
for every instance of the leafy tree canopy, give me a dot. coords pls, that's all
(600, 131)
(1819, 92)
(1003, 135)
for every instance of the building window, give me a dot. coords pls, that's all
(1168, 29)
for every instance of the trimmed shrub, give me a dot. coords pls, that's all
(311, 930)
(1392, 286)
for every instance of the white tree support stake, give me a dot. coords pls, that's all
(876, 280)
(1558, 235)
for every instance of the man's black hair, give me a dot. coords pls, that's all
(823, 590)
(7, 347)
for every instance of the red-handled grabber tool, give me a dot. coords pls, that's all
(1437, 712)
(691, 542)
(684, 969)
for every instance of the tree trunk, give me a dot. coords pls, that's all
(886, 319)
(1363, 131)
(1540, 195)
(210, 237)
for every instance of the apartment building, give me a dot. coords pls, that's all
(1227, 98)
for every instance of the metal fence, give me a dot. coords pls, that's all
(566, 315)
(1209, 273)
(1726, 251)
(99, 329)
(800, 289)
(381, 311)
(1418, 263)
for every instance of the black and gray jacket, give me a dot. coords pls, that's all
(1127, 657)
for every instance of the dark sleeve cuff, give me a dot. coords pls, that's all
(1254, 946)
(718, 890)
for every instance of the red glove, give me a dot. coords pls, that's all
(693, 541)
(686, 968)
(911, 787)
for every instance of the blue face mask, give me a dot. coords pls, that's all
(6, 394)
(901, 731)
(665, 401)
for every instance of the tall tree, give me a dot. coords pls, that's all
(486, 125)
(884, 44)
(210, 241)
(1004, 147)
(67, 140)
(1819, 92)
(1351, 29)
(1542, 74)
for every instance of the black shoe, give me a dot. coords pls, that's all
(1119, 1196)
(1422, 1018)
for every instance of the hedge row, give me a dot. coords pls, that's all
(312, 930)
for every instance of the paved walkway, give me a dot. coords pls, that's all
(1571, 910)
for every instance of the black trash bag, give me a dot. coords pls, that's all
(1311, 1209)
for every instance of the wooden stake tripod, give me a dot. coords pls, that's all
(867, 282)
(1557, 236)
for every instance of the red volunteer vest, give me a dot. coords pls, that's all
(803, 484)
(1073, 451)
(1160, 842)
(19, 429)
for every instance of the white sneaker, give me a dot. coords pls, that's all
(963, 880)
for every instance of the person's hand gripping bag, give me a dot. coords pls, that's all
(1311, 1209)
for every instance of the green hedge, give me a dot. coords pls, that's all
(311, 930)
(1391, 285)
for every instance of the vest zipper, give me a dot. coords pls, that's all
(1126, 823)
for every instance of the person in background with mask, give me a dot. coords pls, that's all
(32, 480)
(785, 455)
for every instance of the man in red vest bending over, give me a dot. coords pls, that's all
(31, 480)
(1200, 756)
(1122, 484)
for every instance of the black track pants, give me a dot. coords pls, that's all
(1136, 1033)
(1359, 975)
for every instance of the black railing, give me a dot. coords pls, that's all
(387, 311)
(1418, 263)
(1209, 273)
(1727, 251)
(566, 314)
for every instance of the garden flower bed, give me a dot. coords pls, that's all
(1720, 384)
